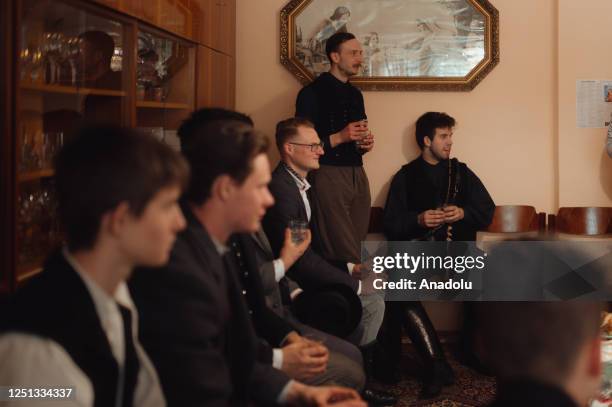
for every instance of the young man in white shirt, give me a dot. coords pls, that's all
(73, 327)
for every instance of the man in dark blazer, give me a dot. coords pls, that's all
(278, 325)
(300, 149)
(194, 320)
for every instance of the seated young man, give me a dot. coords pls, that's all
(74, 325)
(195, 323)
(433, 198)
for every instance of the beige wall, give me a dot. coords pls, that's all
(508, 130)
(516, 129)
(585, 170)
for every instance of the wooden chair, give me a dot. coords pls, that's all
(586, 221)
(517, 219)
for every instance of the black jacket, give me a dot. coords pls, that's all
(268, 324)
(195, 326)
(412, 192)
(529, 393)
(311, 270)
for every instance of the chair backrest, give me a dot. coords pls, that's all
(517, 219)
(588, 221)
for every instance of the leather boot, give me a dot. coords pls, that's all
(371, 396)
(419, 328)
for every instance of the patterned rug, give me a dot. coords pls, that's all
(471, 389)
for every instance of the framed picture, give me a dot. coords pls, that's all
(444, 45)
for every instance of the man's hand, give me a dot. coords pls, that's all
(354, 131)
(304, 359)
(292, 251)
(367, 144)
(323, 396)
(431, 218)
(453, 214)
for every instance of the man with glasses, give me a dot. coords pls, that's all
(300, 149)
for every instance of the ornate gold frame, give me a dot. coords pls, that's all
(467, 83)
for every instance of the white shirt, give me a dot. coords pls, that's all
(29, 360)
(303, 185)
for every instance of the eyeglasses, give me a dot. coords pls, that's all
(313, 146)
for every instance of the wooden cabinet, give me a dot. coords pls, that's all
(218, 25)
(74, 62)
(216, 83)
(112, 61)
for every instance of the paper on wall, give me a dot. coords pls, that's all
(593, 103)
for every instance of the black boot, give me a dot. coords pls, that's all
(388, 358)
(419, 328)
(373, 397)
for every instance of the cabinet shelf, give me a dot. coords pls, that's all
(38, 174)
(71, 90)
(162, 105)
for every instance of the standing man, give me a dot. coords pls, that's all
(74, 325)
(342, 202)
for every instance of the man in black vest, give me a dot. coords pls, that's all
(74, 324)
(342, 203)
(195, 323)
(432, 198)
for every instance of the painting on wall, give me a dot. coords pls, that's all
(407, 44)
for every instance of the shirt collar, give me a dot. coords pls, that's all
(302, 183)
(103, 302)
(221, 248)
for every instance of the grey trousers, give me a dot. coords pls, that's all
(342, 208)
(345, 365)
(373, 306)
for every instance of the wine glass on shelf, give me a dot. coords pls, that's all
(73, 49)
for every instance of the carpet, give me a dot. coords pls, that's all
(471, 389)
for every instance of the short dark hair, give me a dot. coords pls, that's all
(218, 147)
(285, 129)
(207, 115)
(427, 124)
(103, 166)
(538, 340)
(102, 42)
(335, 41)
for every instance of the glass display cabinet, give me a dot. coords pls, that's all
(75, 62)
(165, 77)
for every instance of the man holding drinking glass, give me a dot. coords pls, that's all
(336, 108)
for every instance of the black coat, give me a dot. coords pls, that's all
(268, 324)
(529, 393)
(195, 326)
(412, 192)
(311, 270)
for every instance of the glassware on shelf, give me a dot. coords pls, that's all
(73, 49)
(38, 150)
(37, 228)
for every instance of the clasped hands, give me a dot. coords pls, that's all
(435, 217)
(304, 358)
